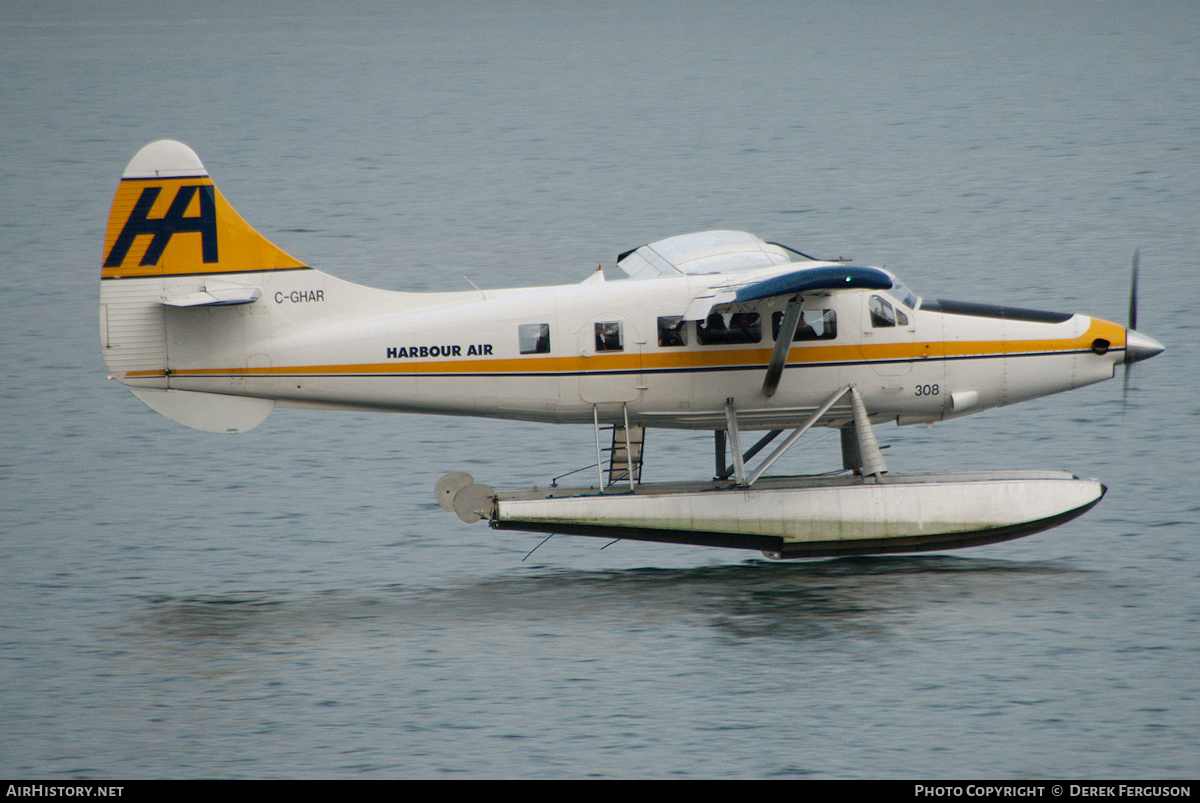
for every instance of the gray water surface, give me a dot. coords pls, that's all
(292, 603)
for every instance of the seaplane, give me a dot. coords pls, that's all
(213, 326)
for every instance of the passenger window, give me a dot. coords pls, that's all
(814, 325)
(671, 331)
(534, 338)
(881, 313)
(608, 336)
(741, 327)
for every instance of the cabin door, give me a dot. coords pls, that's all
(610, 359)
(888, 335)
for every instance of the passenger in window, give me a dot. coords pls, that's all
(804, 331)
(534, 338)
(671, 331)
(825, 329)
(608, 336)
(712, 331)
(829, 325)
(743, 328)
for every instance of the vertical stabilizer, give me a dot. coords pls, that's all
(171, 235)
(169, 219)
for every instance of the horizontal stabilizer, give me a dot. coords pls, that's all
(215, 297)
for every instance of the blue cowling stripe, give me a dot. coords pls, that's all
(832, 277)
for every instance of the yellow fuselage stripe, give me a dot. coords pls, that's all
(685, 360)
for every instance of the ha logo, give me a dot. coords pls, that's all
(164, 228)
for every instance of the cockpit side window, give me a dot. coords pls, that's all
(882, 314)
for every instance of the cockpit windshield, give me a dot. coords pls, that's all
(904, 295)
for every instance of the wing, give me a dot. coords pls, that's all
(773, 269)
(816, 277)
(703, 252)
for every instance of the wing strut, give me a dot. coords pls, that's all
(783, 344)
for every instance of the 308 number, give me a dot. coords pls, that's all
(927, 390)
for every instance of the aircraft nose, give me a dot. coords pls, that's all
(1140, 347)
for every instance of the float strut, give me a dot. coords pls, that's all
(735, 443)
(787, 444)
(723, 471)
(719, 448)
(599, 461)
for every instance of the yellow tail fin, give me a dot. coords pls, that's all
(173, 240)
(169, 219)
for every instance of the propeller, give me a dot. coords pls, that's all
(1138, 347)
(1133, 299)
(1133, 290)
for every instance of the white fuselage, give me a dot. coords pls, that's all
(606, 349)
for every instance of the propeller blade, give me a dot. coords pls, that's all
(1133, 292)
(1125, 390)
(1138, 347)
(1133, 283)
